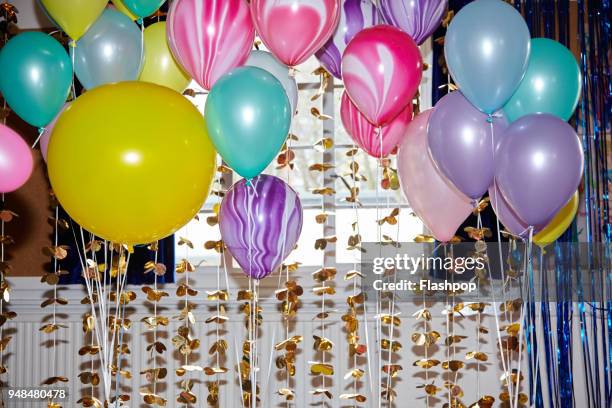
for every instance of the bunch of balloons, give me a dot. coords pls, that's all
(503, 132)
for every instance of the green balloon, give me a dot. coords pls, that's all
(551, 84)
(35, 77)
(248, 116)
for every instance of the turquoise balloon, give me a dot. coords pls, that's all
(35, 77)
(552, 83)
(248, 115)
(143, 8)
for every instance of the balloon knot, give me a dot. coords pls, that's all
(490, 118)
(72, 44)
(140, 21)
(40, 130)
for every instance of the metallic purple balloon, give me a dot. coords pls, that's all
(419, 18)
(260, 223)
(355, 15)
(539, 166)
(461, 143)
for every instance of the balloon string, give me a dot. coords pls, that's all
(379, 238)
(40, 132)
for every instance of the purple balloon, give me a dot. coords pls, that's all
(461, 143)
(419, 18)
(539, 166)
(260, 223)
(355, 15)
(507, 216)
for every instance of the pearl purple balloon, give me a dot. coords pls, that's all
(260, 223)
(539, 166)
(355, 15)
(419, 18)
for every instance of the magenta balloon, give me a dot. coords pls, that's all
(539, 166)
(48, 130)
(260, 223)
(16, 162)
(461, 143)
(440, 206)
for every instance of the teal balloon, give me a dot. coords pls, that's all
(143, 8)
(248, 116)
(110, 51)
(35, 77)
(552, 83)
(487, 51)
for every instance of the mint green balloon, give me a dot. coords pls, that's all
(35, 77)
(248, 115)
(143, 8)
(551, 84)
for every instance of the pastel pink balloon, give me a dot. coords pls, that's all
(381, 69)
(16, 162)
(440, 206)
(46, 134)
(293, 30)
(366, 135)
(209, 38)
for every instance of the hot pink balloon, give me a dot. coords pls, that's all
(209, 38)
(366, 135)
(440, 206)
(46, 134)
(381, 69)
(293, 30)
(16, 162)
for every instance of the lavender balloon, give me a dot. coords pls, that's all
(355, 15)
(419, 18)
(260, 223)
(461, 143)
(506, 215)
(539, 166)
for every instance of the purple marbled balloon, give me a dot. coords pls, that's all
(419, 18)
(260, 223)
(355, 15)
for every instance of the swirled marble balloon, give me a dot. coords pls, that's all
(419, 18)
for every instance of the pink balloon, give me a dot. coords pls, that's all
(293, 30)
(366, 135)
(16, 162)
(440, 206)
(46, 134)
(382, 69)
(209, 38)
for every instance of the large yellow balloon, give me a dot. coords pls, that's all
(559, 224)
(74, 16)
(122, 8)
(159, 64)
(131, 162)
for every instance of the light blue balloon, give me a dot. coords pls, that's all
(110, 51)
(35, 77)
(487, 51)
(268, 62)
(143, 8)
(248, 116)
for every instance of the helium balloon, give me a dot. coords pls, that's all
(418, 18)
(367, 136)
(131, 162)
(45, 136)
(248, 116)
(143, 8)
(506, 214)
(75, 17)
(355, 15)
(461, 142)
(267, 61)
(35, 77)
(559, 224)
(293, 30)
(111, 51)
(260, 223)
(381, 69)
(209, 38)
(440, 206)
(122, 8)
(487, 50)
(539, 166)
(16, 161)
(552, 83)
(159, 66)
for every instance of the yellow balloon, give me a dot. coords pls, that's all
(131, 162)
(559, 224)
(74, 16)
(122, 8)
(160, 66)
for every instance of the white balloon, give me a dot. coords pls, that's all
(267, 61)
